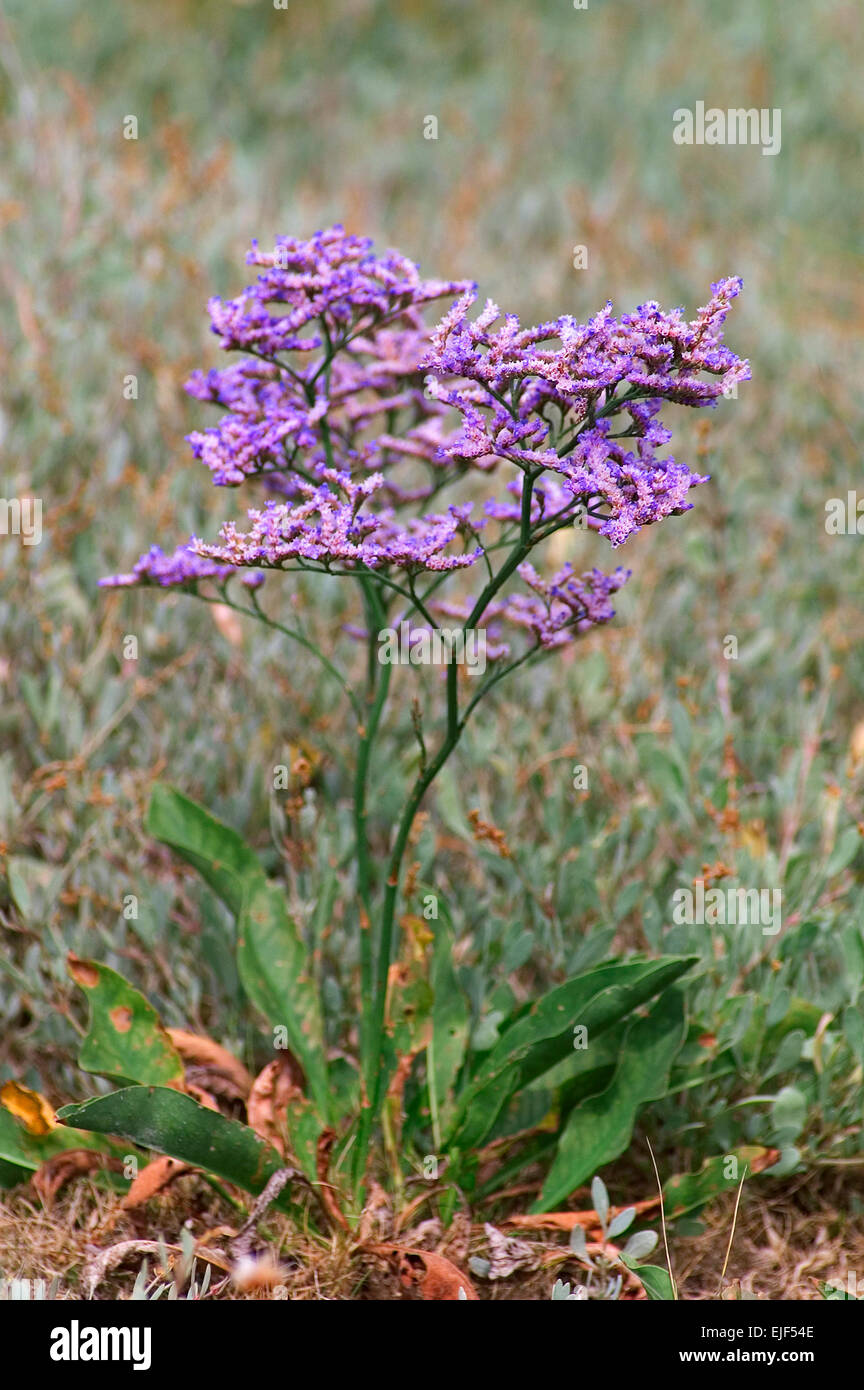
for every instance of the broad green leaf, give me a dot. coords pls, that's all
(158, 1118)
(221, 856)
(543, 1035)
(275, 972)
(450, 1026)
(125, 1041)
(655, 1281)
(599, 1129)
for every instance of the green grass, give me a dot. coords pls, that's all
(554, 130)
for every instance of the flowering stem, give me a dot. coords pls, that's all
(374, 1070)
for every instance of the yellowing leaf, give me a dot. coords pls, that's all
(29, 1107)
(753, 838)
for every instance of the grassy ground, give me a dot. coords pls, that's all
(554, 130)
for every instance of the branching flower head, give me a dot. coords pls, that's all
(353, 415)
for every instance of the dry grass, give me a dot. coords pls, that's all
(786, 1242)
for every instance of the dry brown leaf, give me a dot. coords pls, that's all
(326, 1191)
(203, 1097)
(566, 1220)
(31, 1108)
(214, 1066)
(434, 1278)
(152, 1179)
(55, 1172)
(459, 1235)
(274, 1086)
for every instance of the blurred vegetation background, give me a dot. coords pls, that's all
(554, 130)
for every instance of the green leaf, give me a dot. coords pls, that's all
(221, 856)
(621, 1222)
(690, 1191)
(599, 1129)
(788, 1115)
(303, 1129)
(578, 1242)
(543, 1035)
(25, 1152)
(158, 1118)
(125, 1041)
(450, 1026)
(788, 1054)
(640, 1244)
(654, 1280)
(33, 885)
(843, 852)
(276, 974)
(600, 1199)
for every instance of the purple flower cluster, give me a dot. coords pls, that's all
(555, 610)
(542, 398)
(330, 526)
(353, 415)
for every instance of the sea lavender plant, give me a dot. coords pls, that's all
(357, 421)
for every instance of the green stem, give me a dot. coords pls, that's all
(378, 683)
(454, 729)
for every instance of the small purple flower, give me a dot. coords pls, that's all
(182, 567)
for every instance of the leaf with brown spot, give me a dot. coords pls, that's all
(31, 1108)
(211, 1065)
(432, 1277)
(125, 1040)
(82, 971)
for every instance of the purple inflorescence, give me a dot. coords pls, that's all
(354, 415)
